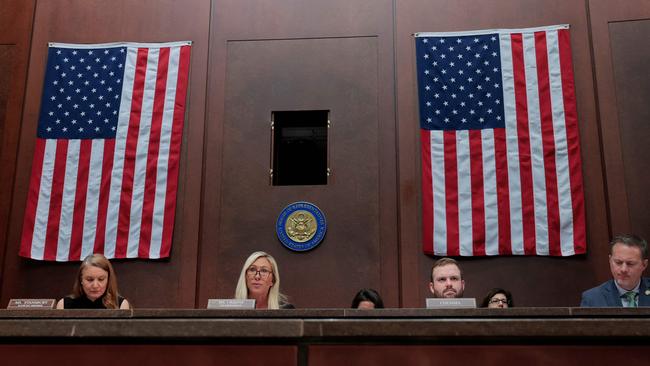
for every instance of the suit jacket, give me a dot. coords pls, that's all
(606, 295)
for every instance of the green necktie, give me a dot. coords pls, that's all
(631, 299)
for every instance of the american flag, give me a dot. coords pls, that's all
(105, 167)
(501, 169)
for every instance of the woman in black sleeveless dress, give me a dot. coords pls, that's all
(95, 287)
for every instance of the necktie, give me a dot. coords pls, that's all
(631, 299)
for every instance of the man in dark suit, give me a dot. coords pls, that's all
(628, 258)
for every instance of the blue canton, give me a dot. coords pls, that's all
(82, 91)
(459, 82)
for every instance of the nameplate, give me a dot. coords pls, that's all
(31, 304)
(231, 304)
(460, 303)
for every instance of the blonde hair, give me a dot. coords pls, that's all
(110, 296)
(274, 296)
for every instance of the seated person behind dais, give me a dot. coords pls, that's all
(628, 258)
(260, 280)
(446, 279)
(498, 298)
(95, 287)
(366, 299)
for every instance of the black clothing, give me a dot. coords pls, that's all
(85, 303)
(286, 305)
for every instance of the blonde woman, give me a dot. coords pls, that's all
(260, 280)
(95, 287)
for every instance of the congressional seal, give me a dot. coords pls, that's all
(301, 226)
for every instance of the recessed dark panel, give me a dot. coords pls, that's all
(632, 82)
(299, 148)
(6, 67)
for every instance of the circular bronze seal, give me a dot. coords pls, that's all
(301, 226)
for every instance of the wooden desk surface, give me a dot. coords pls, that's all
(518, 325)
(315, 337)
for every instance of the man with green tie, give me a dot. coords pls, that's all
(628, 258)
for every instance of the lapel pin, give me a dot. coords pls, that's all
(647, 292)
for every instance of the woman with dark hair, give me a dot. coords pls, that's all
(95, 287)
(367, 298)
(498, 298)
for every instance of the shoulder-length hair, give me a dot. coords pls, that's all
(110, 297)
(494, 291)
(275, 298)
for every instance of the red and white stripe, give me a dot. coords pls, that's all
(115, 196)
(518, 190)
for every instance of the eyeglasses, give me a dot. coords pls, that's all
(497, 301)
(263, 272)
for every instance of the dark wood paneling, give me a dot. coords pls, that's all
(7, 65)
(8, 62)
(120, 354)
(535, 281)
(286, 55)
(168, 283)
(532, 336)
(207, 210)
(335, 74)
(15, 36)
(498, 355)
(612, 108)
(622, 90)
(632, 92)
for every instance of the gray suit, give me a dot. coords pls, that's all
(606, 295)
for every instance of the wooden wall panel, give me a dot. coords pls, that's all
(622, 88)
(497, 355)
(632, 80)
(357, 205)
(15, 37)
(165, 283)
(149, 354)
(535, 281)
(7, 62)
(207, 252)
(335, 74)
